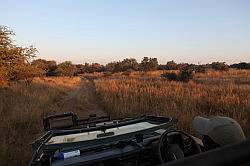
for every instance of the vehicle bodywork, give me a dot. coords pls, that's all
(145, 140)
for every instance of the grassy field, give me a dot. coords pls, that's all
(21, 110)
(122, 94)
(212, 93)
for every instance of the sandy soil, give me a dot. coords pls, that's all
(81, 100)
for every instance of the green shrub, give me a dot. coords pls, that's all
(170, 76)
(221, 66)
(184, 76)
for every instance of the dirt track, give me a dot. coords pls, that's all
(81, 100)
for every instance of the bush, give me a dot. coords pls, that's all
(47, 68)
(184, 76)
(170, 76)
(148, 64)
(242, 65)
(221, 66)
(200, 69)
(66, 69)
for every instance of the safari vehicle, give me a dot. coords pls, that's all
(145, 140)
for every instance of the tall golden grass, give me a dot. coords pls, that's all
(213, 93)
(21, 110)
(133, 97)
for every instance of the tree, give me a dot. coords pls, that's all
(171, 65)
(51, 68)
(45, 67)
(185, 75)
(182, 66)
(129, 64)
(80, 69)
(222, 66)
(148, 64)
(110, 67)
(242, 65)
(66, 69)
(89, 68)
(200, 69)
(14, 60)
(40, 63)
(95, 67)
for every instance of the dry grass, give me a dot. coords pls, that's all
(21, 111)
(122, 94)
(217, 77)
(133, 96)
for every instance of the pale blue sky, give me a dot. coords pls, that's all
(110, 30)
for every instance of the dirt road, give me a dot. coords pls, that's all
(81, 100)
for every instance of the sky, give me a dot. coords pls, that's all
(193, 31)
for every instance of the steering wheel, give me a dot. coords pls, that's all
(176, 144)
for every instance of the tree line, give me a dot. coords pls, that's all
(67, 68)
(18, 63)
